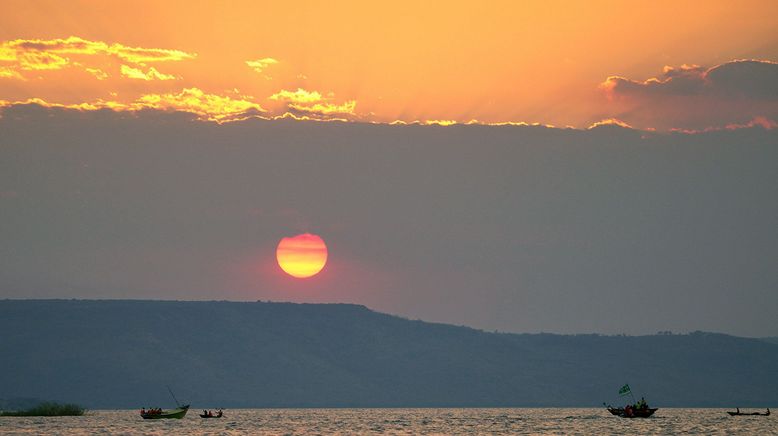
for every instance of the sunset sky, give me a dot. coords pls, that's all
(557, 63)
(518, 166)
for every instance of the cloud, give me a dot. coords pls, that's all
(98, 73)
(209, 107)
(743, 78)
(300, 96)
(756, 122)
(260, 65)
(10, 73)
(346, 108)
(312, 103)
(152, 74)
(610, 122)
(695, 97)
(21, 55)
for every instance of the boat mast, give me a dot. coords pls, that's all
(173, 395)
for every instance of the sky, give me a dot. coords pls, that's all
(660, 65)
(566, 167)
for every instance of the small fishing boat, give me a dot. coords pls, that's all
(176, 413)
(739, 413)
(632, 413)
(636, 409)
(208, 414)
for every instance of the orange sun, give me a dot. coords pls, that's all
(302, 256)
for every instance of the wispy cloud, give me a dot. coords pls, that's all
(22, 55)
(260, 65)
(97, 72)
(300, 96)
(10, 73)
(207, 107)
(312, 103)
(610, 122)
(210, 107)
(151, 74)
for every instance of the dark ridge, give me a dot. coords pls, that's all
(122, 353)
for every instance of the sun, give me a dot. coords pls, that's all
(302, 256)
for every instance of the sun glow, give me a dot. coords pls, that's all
(302, 256)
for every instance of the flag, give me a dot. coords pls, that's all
(624, 390)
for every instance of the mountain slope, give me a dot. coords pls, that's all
(114, 353)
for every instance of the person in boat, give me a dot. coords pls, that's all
(205, 412)
(219, 413)
(210, 413)
(142, 410)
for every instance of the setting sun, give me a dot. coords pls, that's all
(302, 256)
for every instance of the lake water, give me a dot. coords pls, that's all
(399, 422)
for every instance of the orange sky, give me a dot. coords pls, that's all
(534, 62)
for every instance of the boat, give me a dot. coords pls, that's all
(632, 413)
(739, 413)
(177, 413)
(218, 414)
(637, 409)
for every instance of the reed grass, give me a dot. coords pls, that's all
(48, 408)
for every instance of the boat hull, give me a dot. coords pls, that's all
(636, 413)
(168, 414)
(749, 414)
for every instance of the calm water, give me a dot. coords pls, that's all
(399, 422)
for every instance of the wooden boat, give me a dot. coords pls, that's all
(176, 413)
(632, 413)
(211, 416)
(739, 413)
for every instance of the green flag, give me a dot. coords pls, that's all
(624, 390)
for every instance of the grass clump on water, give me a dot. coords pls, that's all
(48, 409)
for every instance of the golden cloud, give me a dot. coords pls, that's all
(76, 45)
(77, 106)
(443, 123)
(610, 122)
(9, 73)
(100, 74)
(346, 108)
(298, 97)
(7, 54)
(137, 73)
(41, 61)
(260, 65)
(313, 104)
(209, 107)
(55, 54)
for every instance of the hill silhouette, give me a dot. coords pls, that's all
(116, 354)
